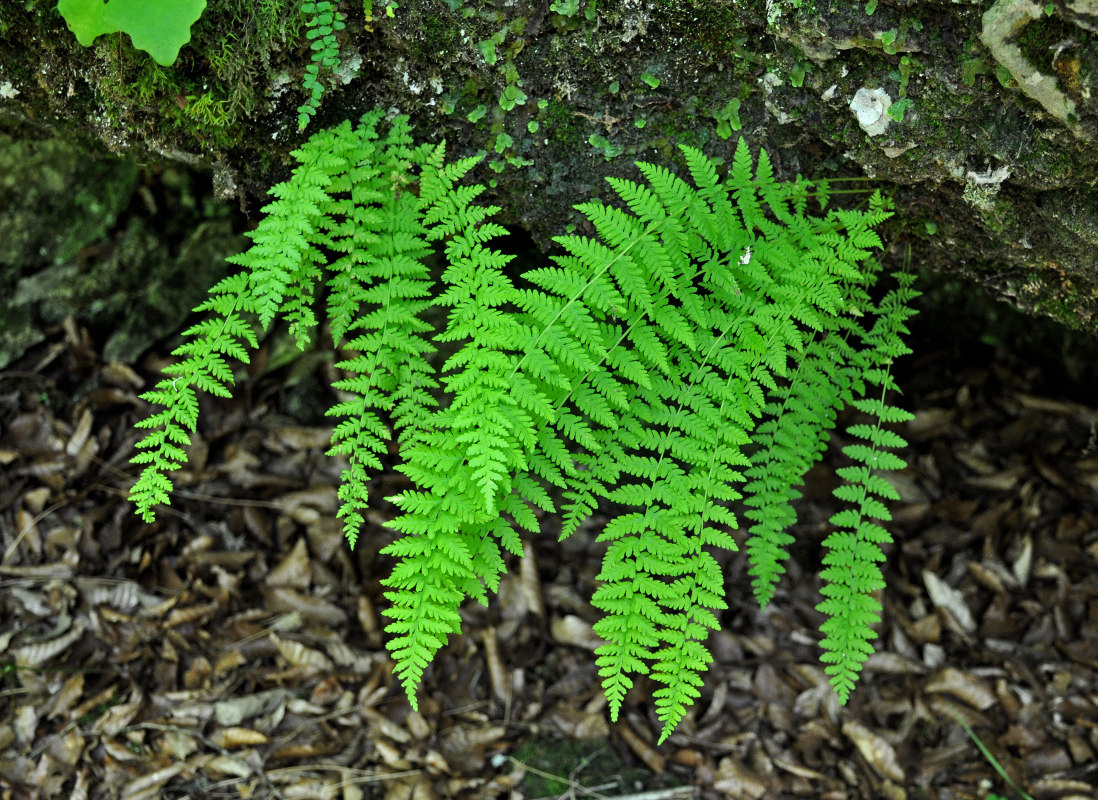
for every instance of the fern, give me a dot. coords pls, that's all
(692, 353)
(321, 22)
(851, 575)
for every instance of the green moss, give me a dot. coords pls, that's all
(1038, 40)
(562, 127)
(218, 81)
(565, 764)
(440, 34)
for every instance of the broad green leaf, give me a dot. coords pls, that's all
(159, 28)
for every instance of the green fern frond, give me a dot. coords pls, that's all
(321, 21)
(851, 573)
(704, 317)
(789, 441)
(202, 366)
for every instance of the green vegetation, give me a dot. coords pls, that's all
(706, 338)
(159, 30)
(322, 23)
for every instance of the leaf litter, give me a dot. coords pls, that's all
(235, 649)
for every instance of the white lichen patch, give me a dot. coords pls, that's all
(7, 91)
(870, 107)
(988, 176)
(348, 69)
(896, 152)
(769, 82)
(280, 84)
(981, 187)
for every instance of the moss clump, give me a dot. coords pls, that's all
(562, 126)
(583, 763)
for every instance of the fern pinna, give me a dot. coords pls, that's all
(691, 354)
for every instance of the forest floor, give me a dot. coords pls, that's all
(234, 649)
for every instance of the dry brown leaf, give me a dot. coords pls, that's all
(293, 570)
(367, 616)
(417, 726)
(391, 755)
(465, 744)
(119, 750)
(530, 582)
(29, 535)
(79, 789)
(285, 599)
(80, 435)
(227, 662)
(228, 765)
(1059, 788)
(25, 723)
(413, 787)
(964, 686)
(121, 375)
(497, 673)
(185, 616)
(122, 595)
(176, 745)
(59, 570)
(572, 630)
(1023, 564)
(34, 655)
(435, 763)
(308, 505)
(991, 575)
(116, 718)
(385, 726)
(736, 781)
(67, 695)
(152, 782)
(893, 664)
(234, 711)
(1002, 481)
(319, 789)
(296, 437)
(644, 751)
(945, 596)
(326, 692)
(198, 674)
(301, 656)
(876, 750)
(234, 737)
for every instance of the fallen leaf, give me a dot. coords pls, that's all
(877, 752)
(942, 595)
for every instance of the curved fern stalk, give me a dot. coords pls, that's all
(321, 22)
(654, 247)
(285, 257)
(280, 272)
(525, 375)
(698, 585)
(647, 250)
(660, 584)
(802, 412)
(851, 573)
